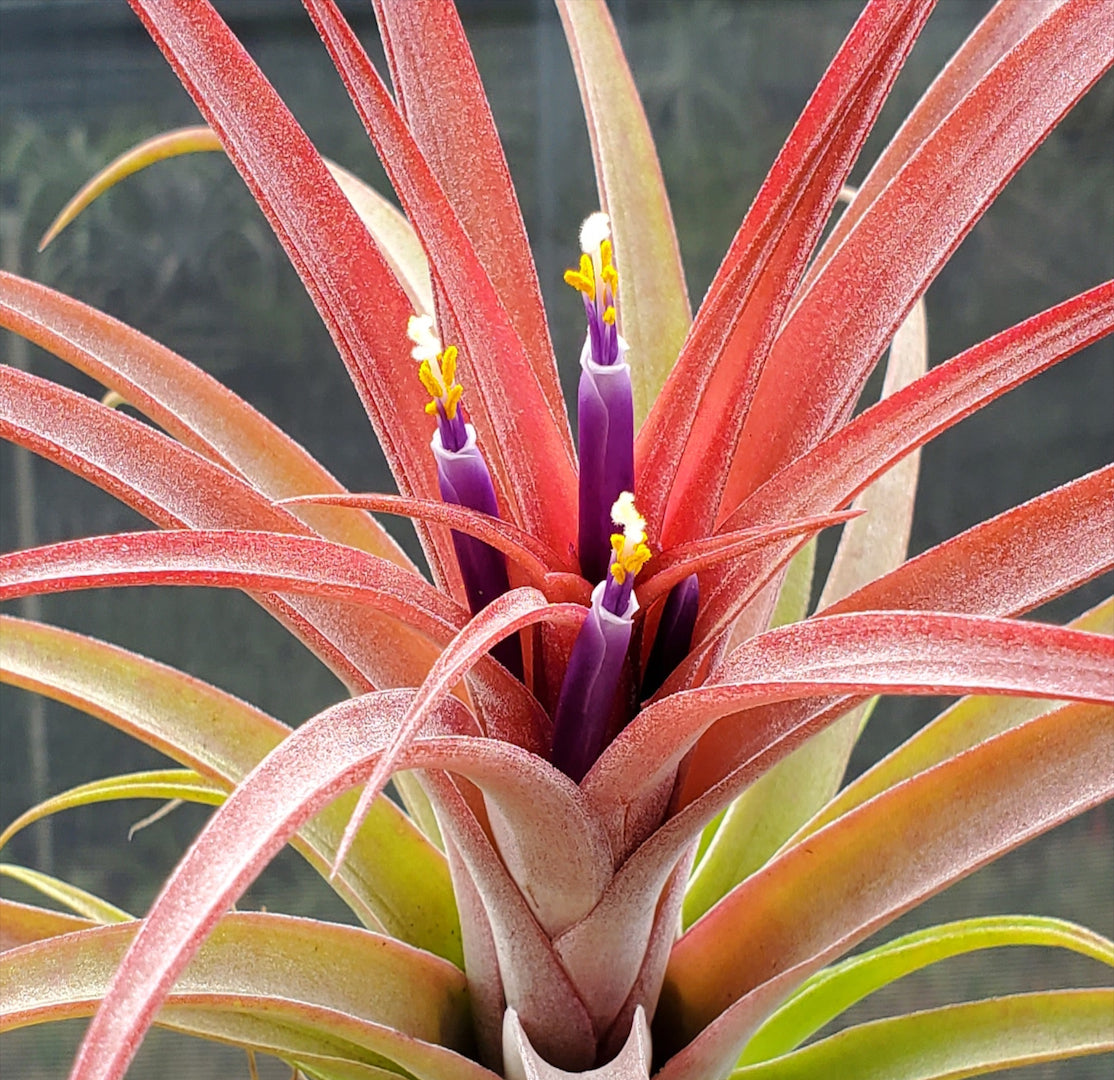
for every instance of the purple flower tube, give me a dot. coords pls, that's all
(463, 478)
(580, 724)
(674, 635)
(605, 405)
(606, 450)
(584, 707)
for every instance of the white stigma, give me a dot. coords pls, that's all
(629, 519)
(427, 345)
(595, 230)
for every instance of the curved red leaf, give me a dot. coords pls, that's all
(185, 401)
(353, 287)
(1014, 657)
(838, 328)
(526, 445)
(319, 760)
(863, 653)
(232, 559)
(174, 487)
(1007, 22)
(674, 565)
(517, 544)
(695, 424)
(862, 871)
(842, 465)
(1005, 566)
(562, 874)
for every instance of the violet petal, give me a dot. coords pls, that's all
(606, 450)
(580, 725)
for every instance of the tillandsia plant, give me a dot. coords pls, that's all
(618, 738)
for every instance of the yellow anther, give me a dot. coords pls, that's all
(452, 399)
(627, 560)
(584, 279)
(437, 369)
(448, 365)
(609, 315)
(608, 273)
(430, 381)
(597, 275)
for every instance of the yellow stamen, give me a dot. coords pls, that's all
(437, 370)
(584, 279)
(629, 546)
(430, 381)
(608, 273)
(597, 272)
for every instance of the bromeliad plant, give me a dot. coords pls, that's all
(618, 738)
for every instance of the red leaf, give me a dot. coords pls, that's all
(353, 287)
(865, 653)
(188, 403)
(173, 486)
(888, 653)
(563, 887)
(1007, 22)
(319, 760)
(862, 871)
(676, 564)
(530, 554)
(232, 559)
(838, 328)
(693, 428)
(1001, 567)
(443, 102)
(836, 470)
(527, 446)
(1009, 564)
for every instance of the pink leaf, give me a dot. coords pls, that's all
(1007, 22)
(695, 424)
(527, 448)
(532, 979)
(319, 760)
(265, 562)
(837, 330)
(561, 871)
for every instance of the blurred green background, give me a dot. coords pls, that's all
(182, 253)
